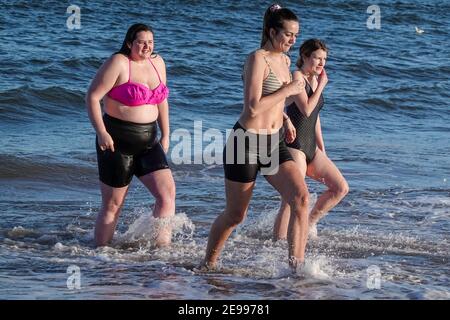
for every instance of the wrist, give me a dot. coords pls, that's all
(100, 132)
(287, 93)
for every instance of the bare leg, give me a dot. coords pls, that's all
(288, 181)
(238, 197)
(323, 170)
(162, 186)
(112, 202)
(280, 228)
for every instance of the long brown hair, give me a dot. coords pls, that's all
(131, 36)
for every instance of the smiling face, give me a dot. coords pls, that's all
(285, 38)
(315, 62)
(142, 46)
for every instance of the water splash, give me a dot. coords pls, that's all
(146, 228)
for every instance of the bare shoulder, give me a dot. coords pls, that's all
(256, 56)
(118, 59)
(288, 60)
(115, 64)
(297, 75)
(259, 53)
(158, 60)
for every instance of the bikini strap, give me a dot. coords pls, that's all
(129, 69)
(286, 58)
(268, 64)
(156, 70)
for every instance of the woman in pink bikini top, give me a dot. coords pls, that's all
(132, 86)
(135, 94)
(132, 83)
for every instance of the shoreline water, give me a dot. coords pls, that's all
(385, 124)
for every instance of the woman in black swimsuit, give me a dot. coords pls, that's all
(308, 149)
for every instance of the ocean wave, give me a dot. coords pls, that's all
(80, 62)
(45, 169)
(24, 103)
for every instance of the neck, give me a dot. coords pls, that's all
(137, 59)
(270, 48)
(308, 74)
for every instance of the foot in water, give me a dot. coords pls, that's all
(296, 265)
(206, 267)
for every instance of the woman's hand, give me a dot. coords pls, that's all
(105, 141)
(289, 128)
(165, 142)
(295, 87)
(323, 78)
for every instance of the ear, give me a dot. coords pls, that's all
(129, 45)
(272, 33)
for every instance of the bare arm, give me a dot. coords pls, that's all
(319, 137)
(307, 104)
(253, 79)
(163, 108)
(289, 128)
(103, 81)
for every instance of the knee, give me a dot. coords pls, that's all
(112, 206)
(300, 200)
(234, 217)
(342, 189)
(166, 195)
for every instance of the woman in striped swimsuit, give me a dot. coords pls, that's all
(257, 140)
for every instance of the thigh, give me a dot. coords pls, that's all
(322, 169)
(151, 160)
(159, 182)
(300, 160)
(240, 165)
(113, 196)
(238, 196)
(115, 168)
(288, 181)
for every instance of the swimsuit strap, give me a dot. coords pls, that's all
(268, 64)
(129, 69)
(155, 70)
(287, 63)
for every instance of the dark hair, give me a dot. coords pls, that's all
(131, 36)
(273, 19)
(307, 48)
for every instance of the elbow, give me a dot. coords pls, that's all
(87, 99)
(252, 111)
(309, 110)
(90, 99)
(306, 112)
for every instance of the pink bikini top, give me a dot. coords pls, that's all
(135, 94)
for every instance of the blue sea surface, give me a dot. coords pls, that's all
(385, 124)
